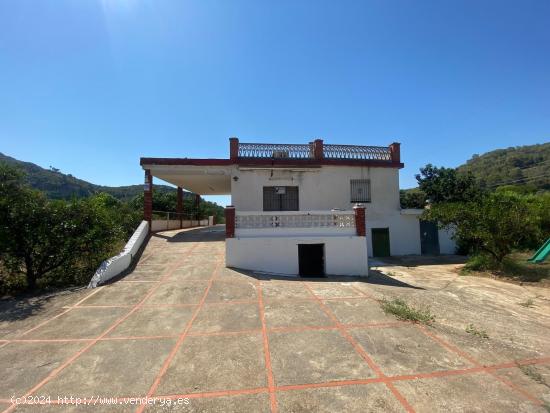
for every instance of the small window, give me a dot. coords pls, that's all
(360, 190)
(281, 198)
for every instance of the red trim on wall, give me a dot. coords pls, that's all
(185, 161)
(271, 162)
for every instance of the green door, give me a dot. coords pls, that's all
(381, 242)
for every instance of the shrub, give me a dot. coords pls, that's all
(480, 262)
(473, 330)
(403, 311)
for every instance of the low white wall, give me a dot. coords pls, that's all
(294, 232)
(344, 255)
(405, 233)
(166, 225)
(115, 265)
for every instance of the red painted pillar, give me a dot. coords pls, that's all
(230, 221)
(395, 150)
(197, 208)
(360, 222)
(233, 148)
(179, 206)
(148, 198)
(318, 152)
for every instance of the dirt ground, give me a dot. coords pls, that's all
(194, 336)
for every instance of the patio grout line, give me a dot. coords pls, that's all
(453, 348)
(359, 349)
(181, 339)
(344, 383)
(60, 314)
(466, 356)
(267, 353)
(290, 329)
(384, 379)
(75, 356)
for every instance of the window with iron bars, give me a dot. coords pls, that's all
(360, 190)
(281, 198)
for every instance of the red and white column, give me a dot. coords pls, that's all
(230, 221)
(360, 221)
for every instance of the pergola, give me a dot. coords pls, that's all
(199, 176)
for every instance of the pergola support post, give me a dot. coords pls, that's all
(148, 198)
(197, 209)
(179, 206)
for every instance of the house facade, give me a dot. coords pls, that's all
(307, 209)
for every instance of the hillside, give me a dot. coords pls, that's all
(520, 165)
(58, 185)
(527, 167)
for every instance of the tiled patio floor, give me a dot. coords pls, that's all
(183, 329)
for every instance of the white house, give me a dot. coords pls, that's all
(308, 209)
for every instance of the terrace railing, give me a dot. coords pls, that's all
(333, 220)
(378, 153)
(164, 220)
(315, 150)
(295, 223)
(275, 150)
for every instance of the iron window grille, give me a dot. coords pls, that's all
(281, 198)
(360, 190)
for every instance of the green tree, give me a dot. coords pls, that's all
(447, 185)
(38, 236)
(412, 198)
(496, 224)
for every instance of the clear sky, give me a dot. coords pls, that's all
(89, 86)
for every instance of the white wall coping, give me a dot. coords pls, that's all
(113, 266)
(296, 235)
(320, 212)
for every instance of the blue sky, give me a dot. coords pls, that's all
(89, 86)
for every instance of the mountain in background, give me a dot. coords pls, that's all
(521, 166)
(57, 185)
(525, 167)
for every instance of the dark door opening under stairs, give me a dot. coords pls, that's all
(429, 238)
(311, 260)
(380, 242)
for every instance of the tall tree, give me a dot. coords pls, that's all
(496, 224)
(447, 185)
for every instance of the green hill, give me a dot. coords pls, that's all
(520, 166)
(524, 167)
(57, 185)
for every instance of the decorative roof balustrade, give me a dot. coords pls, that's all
(377, 153)
(315, 150)
(286, 220)
(275, 150)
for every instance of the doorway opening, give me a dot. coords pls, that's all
(381, 242)
(311, 260)
(429, 238)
